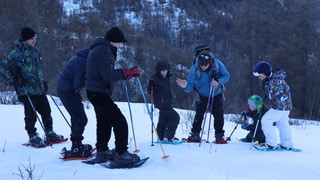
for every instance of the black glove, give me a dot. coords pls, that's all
(45, 84)
(245, 114)
(213, 75)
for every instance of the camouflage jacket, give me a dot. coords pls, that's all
(25, 64)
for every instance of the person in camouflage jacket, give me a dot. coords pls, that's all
(25, 65)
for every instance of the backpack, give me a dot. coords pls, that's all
(8, 75)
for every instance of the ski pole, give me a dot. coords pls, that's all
(205, 116)
(211, 104)
(255, 130)
(145, 101)
(58, 108)
(229, 138)
(151, 99)
(134, 136)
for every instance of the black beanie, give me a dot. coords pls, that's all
(115, 35)
(27, 33)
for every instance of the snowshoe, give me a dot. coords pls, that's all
(114, 165)
(102, 157)
(83, 152)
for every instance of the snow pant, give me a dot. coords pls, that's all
(41, 105)
(73, 104)
(168, 123)
(216, 110)
(109, 116)
(282, 122)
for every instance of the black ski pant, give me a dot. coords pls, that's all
(168, 123)
(73, 103)
(41, 105)
(109, 116)
(216, 110)
(259, 136)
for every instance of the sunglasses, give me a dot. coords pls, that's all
(205, 56)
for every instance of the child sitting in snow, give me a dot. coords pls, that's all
(256, 111)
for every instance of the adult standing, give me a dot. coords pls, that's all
(100, 75)
(25, 61)
(205, 74)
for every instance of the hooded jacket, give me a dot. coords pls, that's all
(100, 72)
(277, 90)
(72, 78)
(26, 62)
(161, 86)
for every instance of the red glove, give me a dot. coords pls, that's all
(129, 73)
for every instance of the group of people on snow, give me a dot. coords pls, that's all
(93, 69)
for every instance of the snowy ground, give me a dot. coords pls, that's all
(233, 161)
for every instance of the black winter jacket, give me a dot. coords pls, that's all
(255, 117)
(161, 86)
(100, 72)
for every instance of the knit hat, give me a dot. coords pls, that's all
(255, 101)
(205, 57)
(262, 67)
(115, 35)
(200, 48)
(27, 33)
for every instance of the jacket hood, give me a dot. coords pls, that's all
(103, 41)
(278, 74)
(83, 52)
(162, 65)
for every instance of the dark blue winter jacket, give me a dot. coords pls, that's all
(162, 95)
(100, 72)
(72, 78)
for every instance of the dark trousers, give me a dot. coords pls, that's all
(216, 110)
(259, 136)
(73, 104)
(109, 116)
(168, 123)
(41, 105)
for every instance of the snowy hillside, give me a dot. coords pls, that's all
(233, 161)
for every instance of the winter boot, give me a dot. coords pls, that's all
(104, 156)
(52, 137)
(220, 139)
(268, 147)
(285, 148)
(174, 139)
(194, 137)
(126, 159)
(36, 141)
(82, 151)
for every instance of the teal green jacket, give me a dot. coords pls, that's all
(25, 64)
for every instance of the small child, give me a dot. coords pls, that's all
(159, 87)
(278, 92)
(256, 111)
